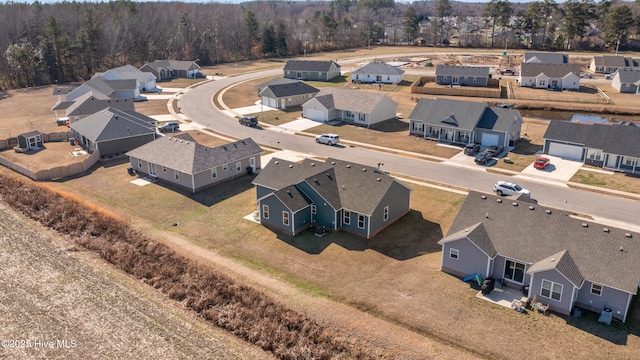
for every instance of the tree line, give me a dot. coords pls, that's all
(70, 41)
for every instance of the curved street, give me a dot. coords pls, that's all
(197, 104)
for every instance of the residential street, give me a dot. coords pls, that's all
(197, 105)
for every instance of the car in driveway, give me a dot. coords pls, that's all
(169, 127)
(328, 139)
(586, 76)
(509, 188)
(471, 149)
(494, 150)
(483, 157)
(541, 162)
(248, 121)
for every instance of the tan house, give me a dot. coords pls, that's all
(181, 161)
(351, 106)
(607, 64)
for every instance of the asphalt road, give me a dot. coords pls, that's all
(197, 104)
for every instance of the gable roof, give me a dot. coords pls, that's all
(461, 114)
(128, 72)
(619, 139)
(500, 119)
(477, 234)
(181, 152)
(277, 81)
(111, 123)
(545, 58)
(89, 103)
(291, 89)
(350, 100)
(108, 87)
(310, 65)
(169, 64)
(293, 198)
(379, 68)
(346, 185)
(473, 71)
(551, 70)
(563, 263)
(614, 61)
(628, 76)
(596, 253)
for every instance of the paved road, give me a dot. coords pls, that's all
(197, 105)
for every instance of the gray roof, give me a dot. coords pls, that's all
(477, 234)
(619, 139)
(472, 71)
(563, 263)
(349, 100)
(309, 65)
(545, 58)
(110, 124)
(345, 185)
(379, 68)
(628, 76)
(551, 70)
(169, 64)
(293, 198)
(464, 115)
(63, 90)
(529, 234)
(181, 152)
(128, 72)
(108, 87)
(276, 81)
(292, 89)
(88, 104)
(614, 61)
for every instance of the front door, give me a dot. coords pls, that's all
(378, 78)
(455, 80)
(152, 169)
(449, 134)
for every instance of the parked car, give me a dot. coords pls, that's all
(471, 149)
(169, 127)
(509, 188)
(494, 150)
(328, 139)
(507, 72)
(609, 76)
(586, 76)
(249, 120)
(541, 162)
(200, 75)
(483, 157)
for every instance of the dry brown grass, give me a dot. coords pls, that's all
(151, 107)
(616, 181)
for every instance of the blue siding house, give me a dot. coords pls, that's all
(335, 194)
(462, 75)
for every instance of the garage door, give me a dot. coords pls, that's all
(490, 139)
(565, 151)
(312, 114)
(265, 101)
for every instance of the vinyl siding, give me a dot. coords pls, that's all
(397, 198)
(614, 299)
(471, 259)
(564, 305)
(121, 146)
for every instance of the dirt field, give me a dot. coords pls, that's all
(65, 293)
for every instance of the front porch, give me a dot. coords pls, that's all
(443, 134)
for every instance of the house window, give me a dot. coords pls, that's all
(594, 154)
(349, 114)
(225, 167)
(385, 213)
(551, 290)
(252, 161)
(514, 271)
(313, 209)
(346, 217)
(418, 126)
(596, 289)
(475, 80)
(361, 221)
(265, 211)
(542, 83)
(629, 161)
(362, 117)
(454, 253)
(357, 77)
(164, 169)
(140, 163)
(176, 174)
(238, 166)
(285, 218)
(388, 78)
(214, 173)
(288, 100)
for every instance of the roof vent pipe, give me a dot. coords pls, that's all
(531, 207)
(499, 200)
(628, 235)
(605, 230)
(585, 225)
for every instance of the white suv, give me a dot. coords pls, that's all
(328, 139)
(507, 188)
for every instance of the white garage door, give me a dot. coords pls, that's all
(312, 114)
(490, 139)
(265, 101)
(565, 151)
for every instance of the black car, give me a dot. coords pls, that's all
(483, 157)
(494, 150)
(248, 120)
(471, 149)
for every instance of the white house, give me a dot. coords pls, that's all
(378, 72)
(550, 76)
(350, 106)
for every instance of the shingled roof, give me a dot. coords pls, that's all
(619, 139)
(600, 254)
(350, 100)
(629, 76)
(309, 65)
(545, 58)
(473, 71)
(111, 123)
(181, 152)
(291, 89)
(379, 68)
(551, 70)
(614, 61)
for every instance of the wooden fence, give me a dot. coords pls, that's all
(418, 88)
(50, 137)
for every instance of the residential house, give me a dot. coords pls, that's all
(565, 262)
(287, 95)
(60, 93)
(146, 80)
(180, 160)
(613, 146)
(336, 195)
(465, 122)
(462, 75)
(550, 76)
(378, 72)
(114, 132)
(607, 64)
(275, 81)
(68, 112)
(121, 89)
(351, 106)
(168, 69)
(626, 80)
(316, 70)
(545, 58)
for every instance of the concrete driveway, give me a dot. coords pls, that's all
(558, 169)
